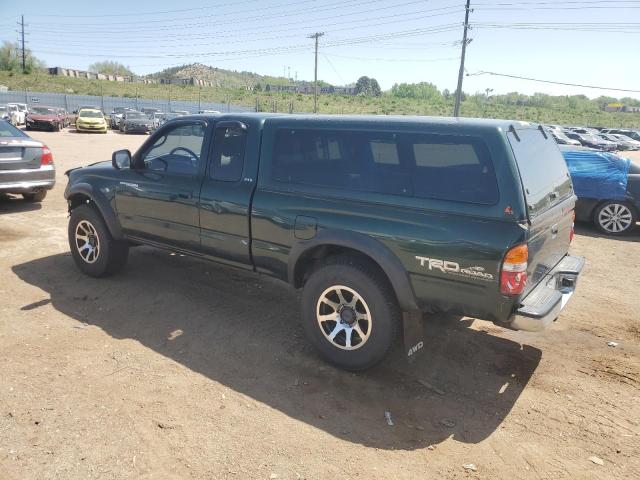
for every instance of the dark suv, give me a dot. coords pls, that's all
(376, 219)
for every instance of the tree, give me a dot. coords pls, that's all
(422, 90)
(368, 87)
(110, 67)
(11, 58)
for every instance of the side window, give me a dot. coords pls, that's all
(228, 154)
(442, 167)
(453, 168)
(178, 150)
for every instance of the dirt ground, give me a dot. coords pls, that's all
(179, 369)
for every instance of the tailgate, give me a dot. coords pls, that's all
(20, 155)
(549, 196)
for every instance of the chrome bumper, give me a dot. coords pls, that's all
(27, 180)
(543, 304)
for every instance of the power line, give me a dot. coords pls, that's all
(286, 48)
(261, 18)
(482, 72)
(234, 33)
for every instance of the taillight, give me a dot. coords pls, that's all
(513, 276)
(47, 156)
(573, 225)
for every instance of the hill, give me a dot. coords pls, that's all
(220, 77)
(572, 110)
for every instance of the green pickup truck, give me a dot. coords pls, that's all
(376, 219)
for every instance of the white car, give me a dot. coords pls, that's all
(21, 110)
(13, 113)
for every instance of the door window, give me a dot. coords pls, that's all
(178, 150)
(228, 154)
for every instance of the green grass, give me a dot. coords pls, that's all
(561, 110)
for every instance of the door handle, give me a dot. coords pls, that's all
(184, 195)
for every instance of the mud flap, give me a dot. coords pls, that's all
(413, 334)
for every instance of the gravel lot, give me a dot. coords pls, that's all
(178, 369)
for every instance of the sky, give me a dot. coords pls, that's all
(592, 42)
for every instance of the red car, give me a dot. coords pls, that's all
(45, 118)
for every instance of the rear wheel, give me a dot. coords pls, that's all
(94, 250)
(350, 313)
(35, 196)
(615, 218)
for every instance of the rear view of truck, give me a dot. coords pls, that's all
(540, 273)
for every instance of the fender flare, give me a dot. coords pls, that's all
(102, 203)
(367, 245)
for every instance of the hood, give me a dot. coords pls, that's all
(103, 165)
(39, 116)
(90, 120)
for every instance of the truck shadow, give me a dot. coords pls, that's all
(242, 331)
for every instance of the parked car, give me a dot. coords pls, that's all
(628, 140)
(91, 120)
(619, 140)
(136, 122)
(370, 216)
(157, 118)
(18, 115)
(180, 113)
(7, 114)
(592, 141)
(42, 117)
(66, 117)
(116, 116)
(26, 165)
(608, 189)
(561, 138)
(209, 111)
(150, 111)
(635, 134)
(585, 130)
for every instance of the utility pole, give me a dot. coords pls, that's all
(316, 35)
(465, 42)
(24, 58)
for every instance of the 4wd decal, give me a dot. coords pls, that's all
(449, 267)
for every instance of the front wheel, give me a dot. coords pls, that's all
(350, 313)
(94, 250)
(615, 218)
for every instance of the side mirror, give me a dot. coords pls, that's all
(121, 159)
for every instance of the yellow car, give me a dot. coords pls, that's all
(91, 120)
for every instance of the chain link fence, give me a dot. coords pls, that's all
(71, 102)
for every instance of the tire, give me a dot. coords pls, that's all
(372, 336)
(107, 256)
(35, 197)
(615, 217)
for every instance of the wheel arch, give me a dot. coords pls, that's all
(82, 193)
(306, 254)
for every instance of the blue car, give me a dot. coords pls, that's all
(608, 189)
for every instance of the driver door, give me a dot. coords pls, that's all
(157, 199)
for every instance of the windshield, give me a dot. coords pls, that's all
(43, 111)
(135, 115)
(90, 114)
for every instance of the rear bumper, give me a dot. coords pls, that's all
(543, 304)
(27, 180)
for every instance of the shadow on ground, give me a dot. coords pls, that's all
(242, 331)
(589, 230)
(16, 204)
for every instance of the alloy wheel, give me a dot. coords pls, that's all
(87, 241)
(615, 218)
(344, 317)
